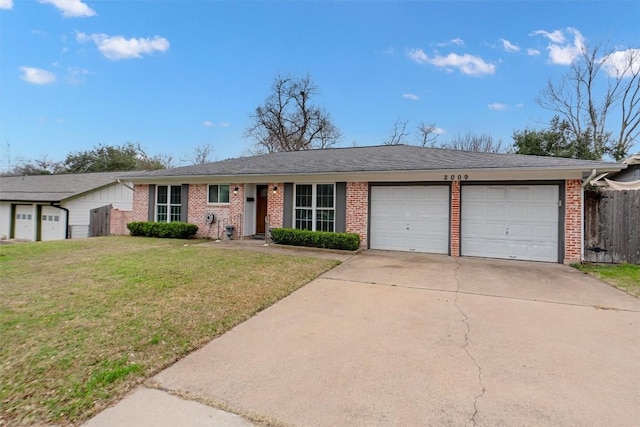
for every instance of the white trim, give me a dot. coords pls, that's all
(169, 205)
(313, 208)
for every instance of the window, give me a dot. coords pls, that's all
(168, 203)
(219, 193)
(315, 207)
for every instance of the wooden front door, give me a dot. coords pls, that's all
(261, 208)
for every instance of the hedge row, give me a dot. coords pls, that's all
(171, 230)
(316, 239)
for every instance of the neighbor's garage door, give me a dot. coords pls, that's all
(410, 218)
(24, 223)
(53, 223)
(513, 222)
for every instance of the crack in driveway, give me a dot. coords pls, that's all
(465, 346)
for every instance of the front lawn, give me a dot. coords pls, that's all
(84, 321)
(622, 276)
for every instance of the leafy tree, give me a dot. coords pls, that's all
(42, 166)
(288, 120)
(108, 158)
(595, 86)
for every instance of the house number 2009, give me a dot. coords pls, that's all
(454, 177)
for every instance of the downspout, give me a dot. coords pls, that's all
(66, 225)
(584, 185)
(126, 185)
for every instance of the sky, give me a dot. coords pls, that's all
(173, 75)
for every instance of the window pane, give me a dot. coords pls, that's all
(224, 194)
(161, 213)
(324, 220)
(213, 194)
(162, 194)
(176, 195)
(304, 197)
(324, 196)
(175, 213)
(304, 219)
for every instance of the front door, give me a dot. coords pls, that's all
(261, 208)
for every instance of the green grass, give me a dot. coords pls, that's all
(84, 321)
(622, 276)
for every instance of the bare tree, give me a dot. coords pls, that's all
(398, 134)
(289, 121)
(584, 99)
(427, 134)
(200, 154)
(474, 142)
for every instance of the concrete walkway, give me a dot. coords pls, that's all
(409, 339)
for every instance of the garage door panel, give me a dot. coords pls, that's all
(410, 218)
(518, 221)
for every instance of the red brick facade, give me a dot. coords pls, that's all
(358, 210)
(275, 204)
(455, 219)
(357, 215)
(573, 221)
(118, 222)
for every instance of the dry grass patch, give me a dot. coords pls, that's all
(83, 321)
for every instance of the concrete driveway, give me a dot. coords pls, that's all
(409, 339)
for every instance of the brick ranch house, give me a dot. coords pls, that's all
(401, 198)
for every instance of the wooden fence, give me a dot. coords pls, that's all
(99, 221)
(612, 226)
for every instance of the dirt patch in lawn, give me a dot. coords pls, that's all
(84, 321)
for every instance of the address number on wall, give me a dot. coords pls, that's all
(454, 177)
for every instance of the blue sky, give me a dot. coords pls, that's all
(172, 75)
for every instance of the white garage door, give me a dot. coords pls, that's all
(25, 223)
(410, 218)
(513, 222)
(53, 223)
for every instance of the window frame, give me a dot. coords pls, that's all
(314, 208)
(209, 202)
(170, 213)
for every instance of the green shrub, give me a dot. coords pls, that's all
(316, 239)
(170, 230)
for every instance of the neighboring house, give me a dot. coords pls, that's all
(402, 198)
(627, 179)
(55, 207)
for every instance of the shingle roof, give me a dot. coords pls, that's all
(383, 158)
(54, 188)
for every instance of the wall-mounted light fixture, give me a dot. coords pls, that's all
(275, 189)
(235, 190)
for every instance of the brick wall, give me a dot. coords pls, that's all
(236, 209)
(140, 202)
(573, 221)
(455, 219)
(275, 204)
(358, 210)
(199, 208)
(118, 222)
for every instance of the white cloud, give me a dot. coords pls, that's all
(439, 131)
(390, 51)
(563, 51)
(71, 8)
(37, 76)
(622, 63)
(556, 36)
(210, 124)
(467, 64)
(457, 41)
(508, 46)
(410, 96)
(117, 47)
(6, 4)
(496, 106)
(533, 52)
(76, 75)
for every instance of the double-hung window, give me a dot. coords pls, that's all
(315, 207)
(218, 193)
(168, 203)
